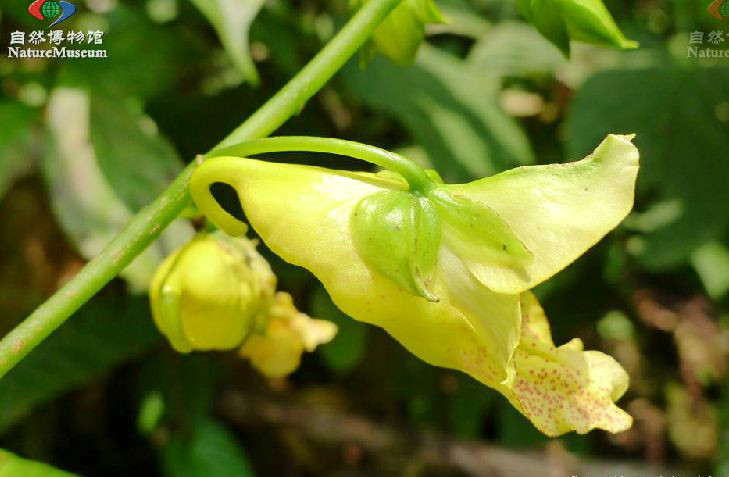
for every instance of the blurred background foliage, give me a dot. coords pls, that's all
(84, 144)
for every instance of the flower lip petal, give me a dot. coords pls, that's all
(560, 389)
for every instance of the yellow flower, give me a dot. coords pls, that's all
(539, 219)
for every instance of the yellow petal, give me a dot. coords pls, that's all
(565, 388)
(312, 332)
(534, 324)
(492, 317)
(558, 211)
(277, 350)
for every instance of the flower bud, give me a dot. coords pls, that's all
(562, 21)
(211, 293)
(398, 235)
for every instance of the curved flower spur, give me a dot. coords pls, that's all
(446, 269)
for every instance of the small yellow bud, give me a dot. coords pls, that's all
(211, 293)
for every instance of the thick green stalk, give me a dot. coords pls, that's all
(146, 226)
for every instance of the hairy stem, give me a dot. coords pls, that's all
(146, 226)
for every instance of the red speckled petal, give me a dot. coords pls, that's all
(565, 388)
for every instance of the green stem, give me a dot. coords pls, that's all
(415, 176)
(146, 226)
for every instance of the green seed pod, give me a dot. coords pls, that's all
(398, 235)
(211, 293)
(477, 233)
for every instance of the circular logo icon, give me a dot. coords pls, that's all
(51, 9)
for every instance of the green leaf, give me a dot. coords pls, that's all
(137, 162)
(143, 59)
(515, 49)
(348, 347)
(13, 466)
(188, 387)
(209, 450)
(449, 108)
(461, 18)
(88, 207)
(151, 411)
(231, 20)
(684, 170)
(582, 20)
(711, 262)
(547, 19)
(107, 331)
(16, 143)
(401, 33)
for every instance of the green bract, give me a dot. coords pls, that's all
(398, 235)
(501, 236)
(582, 20)
(401, 33)
(476, 232)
